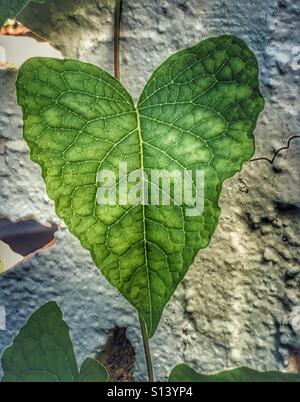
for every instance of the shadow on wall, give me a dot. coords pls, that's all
(20, 239)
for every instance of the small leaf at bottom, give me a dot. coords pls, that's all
(42, 351)
(184, 373)
(92, 371)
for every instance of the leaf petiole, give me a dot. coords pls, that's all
(146, 350)
(117, 23)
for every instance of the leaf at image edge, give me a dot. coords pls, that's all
(11, 8)
(42, 351)
(184, 373)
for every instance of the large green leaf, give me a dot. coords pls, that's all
(184, 373)
(43, 352)
(92, 371)
(198, 112)
(11, 8)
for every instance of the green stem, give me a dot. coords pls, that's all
(117, 23)
(146, 350)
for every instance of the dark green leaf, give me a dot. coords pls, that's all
(184, 373)
(11, 8)
(42, 351)
(92, 371)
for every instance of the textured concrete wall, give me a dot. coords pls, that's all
(233, 308)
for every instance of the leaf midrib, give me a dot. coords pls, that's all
(144, 217)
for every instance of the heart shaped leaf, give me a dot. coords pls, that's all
(11, 8)
(43, 352)
(196, 114)
(184, 373)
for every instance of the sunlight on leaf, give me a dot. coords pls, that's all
(197, 112)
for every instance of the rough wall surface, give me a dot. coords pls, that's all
(233, 308)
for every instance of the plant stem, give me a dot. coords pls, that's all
(117, 23)
(146, 350)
